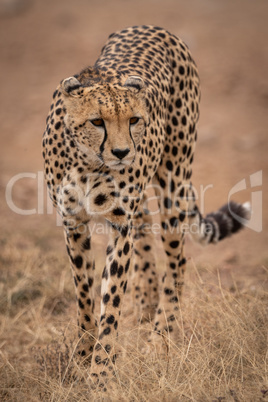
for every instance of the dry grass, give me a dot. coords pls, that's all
(221, 356)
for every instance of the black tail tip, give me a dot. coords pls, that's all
(238, 213)
(229, 219)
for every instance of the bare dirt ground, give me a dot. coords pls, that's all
(43, 42)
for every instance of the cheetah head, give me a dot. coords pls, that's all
(106, 121)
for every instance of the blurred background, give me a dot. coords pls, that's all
(43, 42)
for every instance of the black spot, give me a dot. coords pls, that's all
(166, 149)
(174, 151)
(116, 301)
(178, 171)
(83, 179)
(105, 273)
(57, 125)
(182, 262)
(100, 199)
(168, 291)
(110, 319)
(118, 211)
(174, 221)
(178, 103)
(167, 203)
(162, 183)
(78, 261)
(182, 216)
(169, 165)
(174, 121)
(174, 244)
(127, 265)
(189, 152)
(164, 225)
(85, 287)
(124, 230)
(114, 268)
(146, 266)
(87, 318)
(184, 149)
(108, 348)
(81, 305)
(126, 248)
(171, 318)
(96, 184)
(184, 120)
(109, 250)
(98, 359)
(86, 244)
(113, 289)
(106, 298)
(120, 271)
(147, 247)
(115, 194)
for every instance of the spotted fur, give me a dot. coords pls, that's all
(112, 130)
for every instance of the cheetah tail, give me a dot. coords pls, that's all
(229, 219)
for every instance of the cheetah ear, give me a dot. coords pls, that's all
(134, 83)
(72, 87)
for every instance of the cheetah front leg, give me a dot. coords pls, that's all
(114, 284)
(144, 278)
(174, 222)
(78, 243)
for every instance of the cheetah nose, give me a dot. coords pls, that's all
(120, 153)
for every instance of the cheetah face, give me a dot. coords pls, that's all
(106, 122)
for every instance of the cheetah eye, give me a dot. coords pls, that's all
(97, 122)
(133, 120)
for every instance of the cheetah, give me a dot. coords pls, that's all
(113, 130)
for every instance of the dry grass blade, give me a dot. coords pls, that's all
(220, 356)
